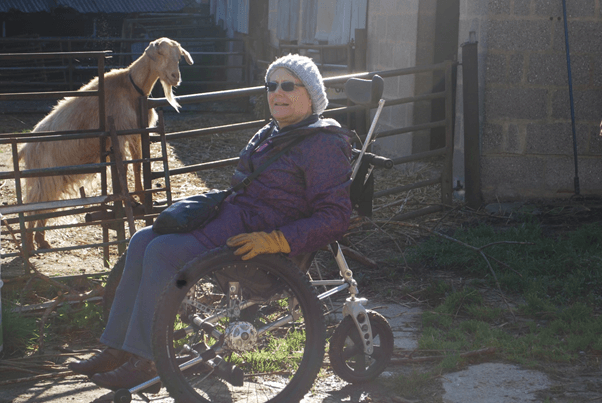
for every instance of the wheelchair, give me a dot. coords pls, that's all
(227, 330)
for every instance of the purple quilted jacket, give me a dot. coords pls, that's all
(304, 194)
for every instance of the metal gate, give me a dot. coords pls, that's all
(444, 179)
(112, 211)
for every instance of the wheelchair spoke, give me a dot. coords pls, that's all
(260, 323)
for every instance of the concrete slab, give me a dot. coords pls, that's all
(493, 383)
(404, 321)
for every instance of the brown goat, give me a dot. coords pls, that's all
(123, 87)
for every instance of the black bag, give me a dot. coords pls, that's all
(190, 213)
(362, 189)
(195, 211)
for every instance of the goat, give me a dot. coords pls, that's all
(123, 87)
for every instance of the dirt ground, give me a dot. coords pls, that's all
(576, 383)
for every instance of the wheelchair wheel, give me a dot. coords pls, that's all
(111, 286)
(346, 351)
(122, 396)
(254, 328)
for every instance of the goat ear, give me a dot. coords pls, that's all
(159, 47)
(186, 55)
(152, 50)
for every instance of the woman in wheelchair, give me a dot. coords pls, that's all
(297, 205)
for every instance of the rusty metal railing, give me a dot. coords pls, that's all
(117, 216)
(217, 57)
(14, 139)
(444, 179)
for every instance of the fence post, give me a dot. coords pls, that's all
(146, 165)
(120, 183)
(446, 173)
(361, 42)
(472, 146)
(362, 122)
(118, 209)
(102, 126)
(22, 224)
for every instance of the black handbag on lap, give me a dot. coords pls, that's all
(196, 211)
(190, 213)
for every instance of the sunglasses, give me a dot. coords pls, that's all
(287, 86)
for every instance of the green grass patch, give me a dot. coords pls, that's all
(559, 277)
(561, 337)
(281, 354)
(564, 268)
(413, 384)
(20, 333)
(87, 315)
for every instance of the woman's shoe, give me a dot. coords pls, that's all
(108, 360)
(134, 372)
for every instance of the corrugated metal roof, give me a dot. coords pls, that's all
(27, 6)
(96, 6)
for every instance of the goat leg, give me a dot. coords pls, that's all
(137, 177)
(29, 240)
(41, 241)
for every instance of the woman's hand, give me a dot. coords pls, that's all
(257, 243)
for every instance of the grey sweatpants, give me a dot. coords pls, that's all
(151, 262)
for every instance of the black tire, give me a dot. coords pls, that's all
(111, 286)
(272, 283)
(346, 351)
(122, 396)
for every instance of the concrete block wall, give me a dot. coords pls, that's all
(526, 131)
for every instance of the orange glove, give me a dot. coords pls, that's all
(257, 243)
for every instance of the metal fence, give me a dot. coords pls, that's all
(118, 201)
(219, 62)
(444, 178)
(113, 211)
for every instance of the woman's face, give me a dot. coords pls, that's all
(288, 107)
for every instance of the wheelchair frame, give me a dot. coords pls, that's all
(364, 91)
(353, 307)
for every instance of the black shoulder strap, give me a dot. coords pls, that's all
(247, 181)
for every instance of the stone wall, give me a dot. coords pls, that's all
(526, 130)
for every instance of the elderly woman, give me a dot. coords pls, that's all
(297, 205)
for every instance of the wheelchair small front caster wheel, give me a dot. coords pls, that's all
(122, 396)
(346, 352)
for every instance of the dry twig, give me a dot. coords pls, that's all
(65, 292)
(473, 248)
(489, 350)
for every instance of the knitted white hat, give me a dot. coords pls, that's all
(306, 71)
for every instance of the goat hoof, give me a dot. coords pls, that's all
(41, 241)
(43, 245)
